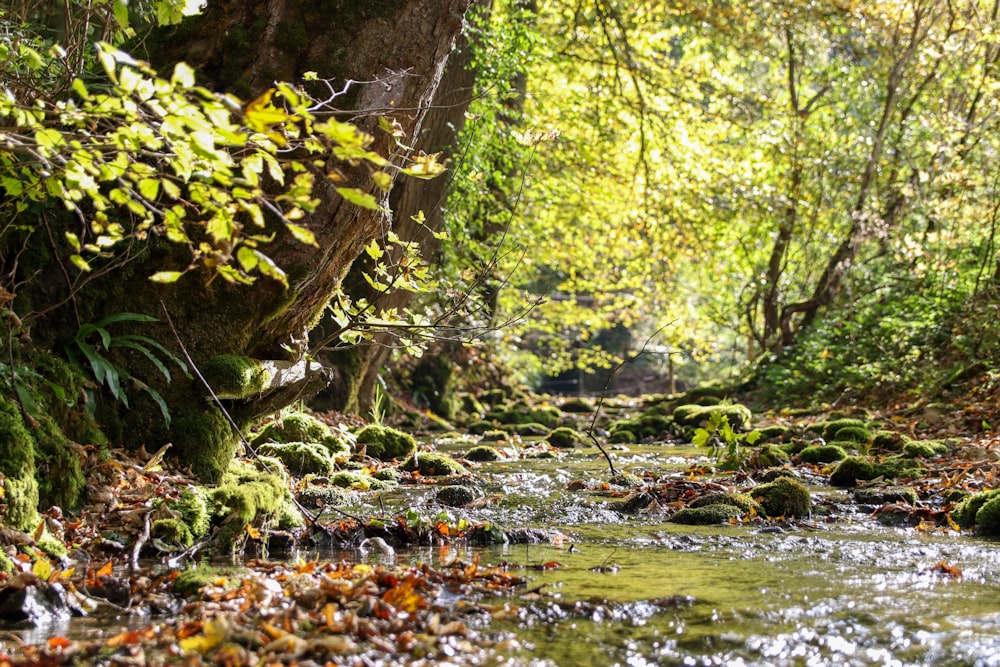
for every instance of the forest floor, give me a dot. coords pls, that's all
(148, 601)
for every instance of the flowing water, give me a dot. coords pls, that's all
(629, 589)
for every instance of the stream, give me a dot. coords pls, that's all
(628, 589)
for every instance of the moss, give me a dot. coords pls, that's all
(965, 513)
(388, 475)
(17, 463)
(302, 427)
(59, 464)
(692, 415)
(916, 448)
(707, 515)
(783, 497)
(233, 376)
(300, 458)
(774, 433)
(889, 440)
(885, 493)
(494, 436)
(480, 427)
(851, 470)
(743, 501)
(386, 443)
(430, 464)
(494, 396)
(192, 580)
(830, 428)
(456, 495)
(988, 517)
(471, 406)
(531, 429)
(564, 437)
(6, 564)
(483, 453)
(245, 496)
(577, 405)
(823, 454)
(205, 442)
(654, 425)
(623, 436)
(360, 481)
(627, 479)
(857, 434)
(193, 508)
(173, 532)
(770, 456)
(51, 545)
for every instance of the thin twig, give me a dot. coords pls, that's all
(604, 394)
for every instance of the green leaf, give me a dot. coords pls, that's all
(124, 316)
(374, 250)
(753, 436)
(158, 399)
(149, 188)
(701, 437)
(362, 199)
(166, 276)
(301, 234)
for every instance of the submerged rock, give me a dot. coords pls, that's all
(885, 493)
(707, 515)
(742, 501)
(457, 495)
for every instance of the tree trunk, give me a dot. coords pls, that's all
(393, 53)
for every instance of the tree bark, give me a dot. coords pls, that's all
(394, 52)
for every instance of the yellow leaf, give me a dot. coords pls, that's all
(261, 114)
(214, 632)
(41, 568)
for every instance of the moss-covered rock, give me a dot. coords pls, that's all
(173, 533)
(783, 497)
(531, 429)
(885, 493)
(17, 463)
(969, 512)
(480, 427)
(353, 479)
(302, 427)
(769, 456)
(885, 440)
(483, 453)
(856, 434)
(852, 470)
(822, 454)
(692, 415)
(622, 437)
(774, 433)
(386, 443)
(247, 495)
(564, 437)
(494, 436)
(204, 441)
(830, 428)
(430, 464)
(577, 405)
(707, 515)
(917, 448)
(627, 480)
(193, 507)
(232, 376)
(300, 458)
(743, 501)
(456, 495)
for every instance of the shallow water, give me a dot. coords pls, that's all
(632, 590)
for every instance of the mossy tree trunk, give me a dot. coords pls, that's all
(395, 52)
(359, 367)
